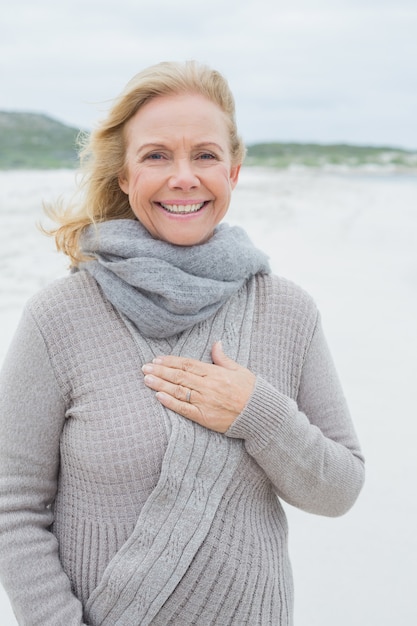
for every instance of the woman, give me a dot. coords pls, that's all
(159, 402)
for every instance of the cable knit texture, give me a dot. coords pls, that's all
(96, 529)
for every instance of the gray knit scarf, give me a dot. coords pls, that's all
(163, 288)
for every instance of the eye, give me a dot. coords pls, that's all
(155, 156)
(206, 156)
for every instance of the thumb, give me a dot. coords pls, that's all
(220, 358)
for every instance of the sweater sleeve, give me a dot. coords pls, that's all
(32, 414)
(308, 448)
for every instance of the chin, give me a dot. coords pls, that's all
(182, 239)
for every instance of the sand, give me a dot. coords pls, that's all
(349, 239)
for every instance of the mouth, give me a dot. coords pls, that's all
(182, 209)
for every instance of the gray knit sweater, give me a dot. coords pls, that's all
(89, 532)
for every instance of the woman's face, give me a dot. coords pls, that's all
(179, 174)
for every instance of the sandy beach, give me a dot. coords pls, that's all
(349, 238)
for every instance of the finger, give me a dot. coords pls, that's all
(185, 409)
(221, 359)
(173, 375)
(179, 392)
(183, 363)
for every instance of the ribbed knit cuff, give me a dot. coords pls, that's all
(262, 418)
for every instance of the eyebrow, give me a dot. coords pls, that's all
(162, 146)
(205, 144)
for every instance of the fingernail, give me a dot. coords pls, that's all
(157, 360)
(147, 368)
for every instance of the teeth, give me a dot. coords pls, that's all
(182, 208)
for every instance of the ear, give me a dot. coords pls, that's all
(123, 183)
(234, 175)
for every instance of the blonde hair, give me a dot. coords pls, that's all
(102, 154)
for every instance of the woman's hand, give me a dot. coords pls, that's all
(212, 395)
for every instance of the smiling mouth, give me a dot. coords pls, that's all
(182, 209)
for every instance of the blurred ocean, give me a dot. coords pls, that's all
(349, 238)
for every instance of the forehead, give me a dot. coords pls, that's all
(191, 115)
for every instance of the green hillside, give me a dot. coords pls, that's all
(317, 155)
(35, 141)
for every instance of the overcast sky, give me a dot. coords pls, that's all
(301, 70)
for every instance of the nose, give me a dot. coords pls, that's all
(183, 176)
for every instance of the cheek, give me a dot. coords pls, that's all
(138, 185)
(223, 177)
